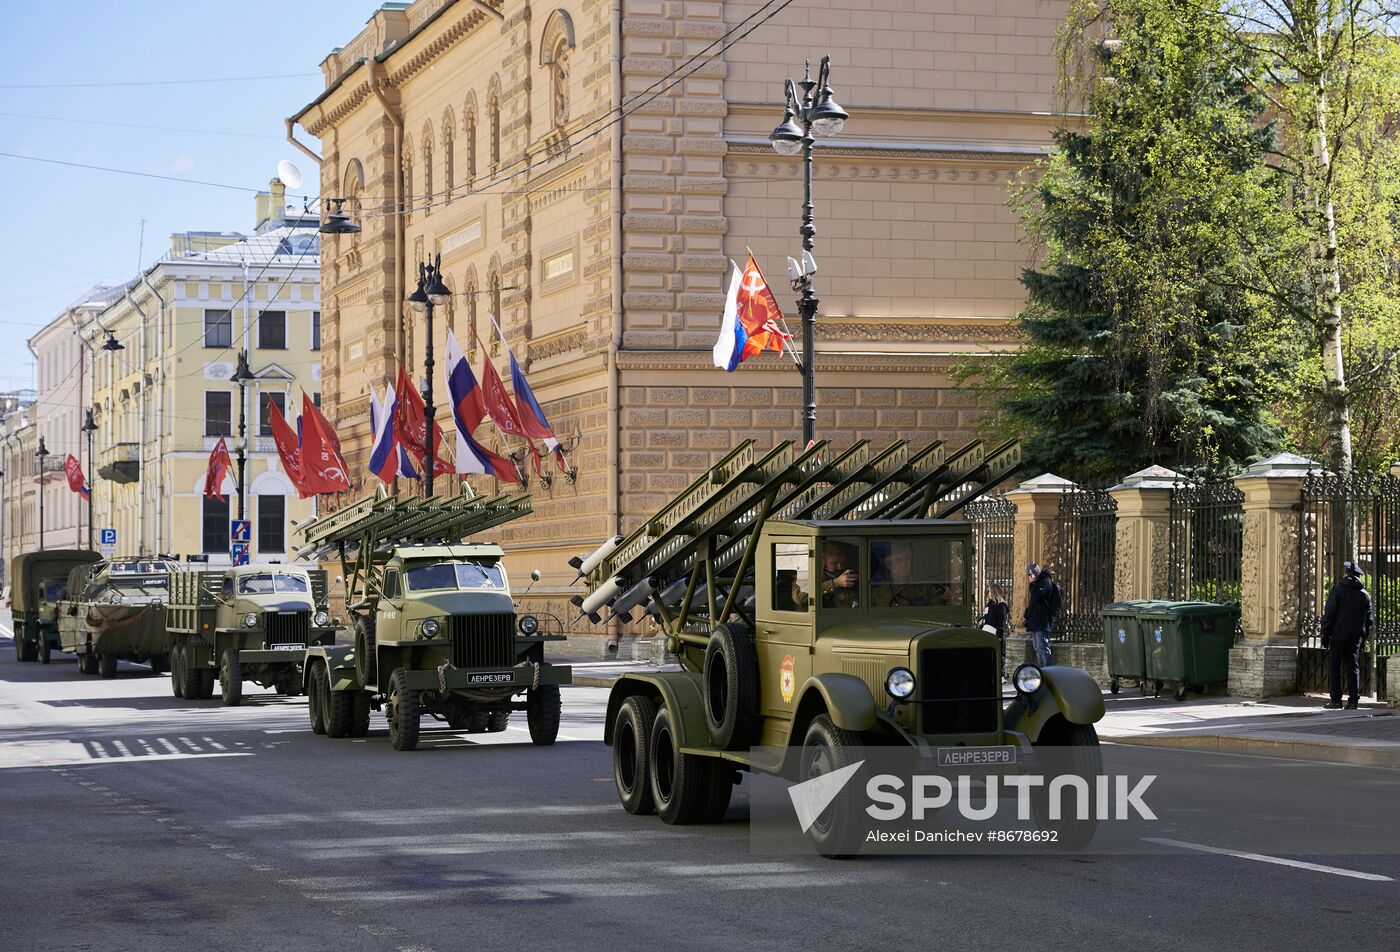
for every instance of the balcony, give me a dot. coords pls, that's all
(121, 463)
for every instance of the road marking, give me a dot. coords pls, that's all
(1276, 860)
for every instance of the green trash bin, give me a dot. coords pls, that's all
(1124, 650)
(1188, 644)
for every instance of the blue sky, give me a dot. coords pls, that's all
(68, 228)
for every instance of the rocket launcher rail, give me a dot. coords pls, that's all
(378, 519)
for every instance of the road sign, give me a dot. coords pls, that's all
(107, 542)
(239, 553)
(240, 530)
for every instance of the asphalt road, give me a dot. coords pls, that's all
(133, 820)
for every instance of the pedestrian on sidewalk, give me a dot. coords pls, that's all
(1346, 624)
(1041, 609)
(997, 614)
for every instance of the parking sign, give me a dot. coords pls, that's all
(107, 542)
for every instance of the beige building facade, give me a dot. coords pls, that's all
(19, 484)
(488, 132)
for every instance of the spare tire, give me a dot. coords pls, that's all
(366, 653)
(731, 686)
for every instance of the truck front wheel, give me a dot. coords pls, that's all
(403, 712)
(231, 678)
(44, 657)
(631, 736)
(315, 693)
(542, 712)
(1066, 749)
(825, 750)
(107, 665)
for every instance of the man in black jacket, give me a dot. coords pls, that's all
(1346, 624)
(1040, 611)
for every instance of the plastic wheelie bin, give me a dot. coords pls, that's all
(1188, 643)
(1123, 642)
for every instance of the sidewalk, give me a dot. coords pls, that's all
(1290, 727)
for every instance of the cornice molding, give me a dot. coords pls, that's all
(956, 332)
(685, 361)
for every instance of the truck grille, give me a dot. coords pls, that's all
(959, 690)
(483, 641)
(286, 628)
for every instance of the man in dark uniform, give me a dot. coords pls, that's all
(1346, 624)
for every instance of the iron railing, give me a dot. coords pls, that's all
(1083, 561)
(993, 521)
(1205, 547)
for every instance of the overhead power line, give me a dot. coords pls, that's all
(156, 82)
(132, 125)
(152, 175)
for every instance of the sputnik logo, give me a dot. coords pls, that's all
(811, 797)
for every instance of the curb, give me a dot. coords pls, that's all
(1360, 755)
(587, 682)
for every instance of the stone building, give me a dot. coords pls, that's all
(19, 477)
(487, 131)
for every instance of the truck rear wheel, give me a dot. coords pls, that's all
(631, 739)
(403, 712)
(24, 648)
(44, 657)
(107, 665)
(207, 677)
(191, 675)
(366, 662)
(338, 708)
(497, 721)
(827, 749)
(177, 673)
(679, 783)
(231, 678)
(315, 694)
(542, 712)
(731, 686)
(359, 713)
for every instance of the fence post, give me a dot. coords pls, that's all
(1037, 503)
(1144, 534)
(1265, 661)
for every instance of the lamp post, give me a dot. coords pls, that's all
(803, 119)
(40, 454)
(89, 427)
(241, 376)
(430, 293)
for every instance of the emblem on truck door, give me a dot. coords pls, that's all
(787, 678)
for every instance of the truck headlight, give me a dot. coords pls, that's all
(320, 618)
(428, 627)
(1028, 679)
(529, 624)
(250, 620)
(899, 683)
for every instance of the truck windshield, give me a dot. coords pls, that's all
(266, 584)
(910, 572)
(53, 589)
(456, 575)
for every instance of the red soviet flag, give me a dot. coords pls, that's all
(321, 463)
(74, 471)
(288, 450)
(411, 425)
(219, 465)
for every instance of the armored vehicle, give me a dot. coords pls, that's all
(38, 582)
(246, 623)
(116, 611)
(819, 603)
(436, 630)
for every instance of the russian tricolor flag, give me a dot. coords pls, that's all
(468, 410)
(388, 458)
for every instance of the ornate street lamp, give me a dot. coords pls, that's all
(242, 376)
(802, 120)
(41, 453)
(89, 427)
(430, 293)
(337, 222)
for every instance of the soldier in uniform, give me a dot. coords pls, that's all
(896, 584)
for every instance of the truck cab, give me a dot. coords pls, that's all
(39, 581)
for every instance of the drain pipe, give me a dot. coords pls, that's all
(141, 429)
(160, 416)
(615, 343)
(376, 85)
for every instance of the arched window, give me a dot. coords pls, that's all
(449, 127)
(408, 199)
(351, 189)
(495, 120)
(469, 133)
(556, 46)
(428, 196)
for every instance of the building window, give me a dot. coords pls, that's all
(427, 169)
(495, 120)
(272, 330)
(559, 266)
(272, 524)
(215, 534)
(218, 413)
(471, 146)
(266, 400)
(218, 329)
(315, 330)
(316, 399)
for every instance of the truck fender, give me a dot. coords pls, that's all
(340, 665)
(1071, 692)
(844, 697)
(682, 694)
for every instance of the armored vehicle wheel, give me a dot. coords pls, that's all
(315, 693)
(1066, 749)
(366, 662)
(107, 665)
(159, 664)
(1182, 691)
(542, 713)
(679, 783)
(207, 677)
(631, 740)
(289, 684)
(44, 650)
(88, 661)
(359, 713)
(338, 709)
(231, 678)
(731, 686)
(177, 672)
(827, 749)
(1113, 686)
(403, 712)
(498, 721)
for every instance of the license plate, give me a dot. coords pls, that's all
(976, 756)
(494, 677)
(289, 647)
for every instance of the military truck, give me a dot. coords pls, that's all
(245, 623)
(115, 611)
(38, 582)
(436, 630)
(820, 603)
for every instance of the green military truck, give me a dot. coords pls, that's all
(244, 623)
(115, 611)
(436, 629)
(816, 610)
(38, 582)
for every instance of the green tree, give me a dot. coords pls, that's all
(1144, 342)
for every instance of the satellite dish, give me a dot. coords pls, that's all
(289, 174)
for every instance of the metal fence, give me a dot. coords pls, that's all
(1205, 542)
(1083, 561)
(1349, 517)
(993, 520)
